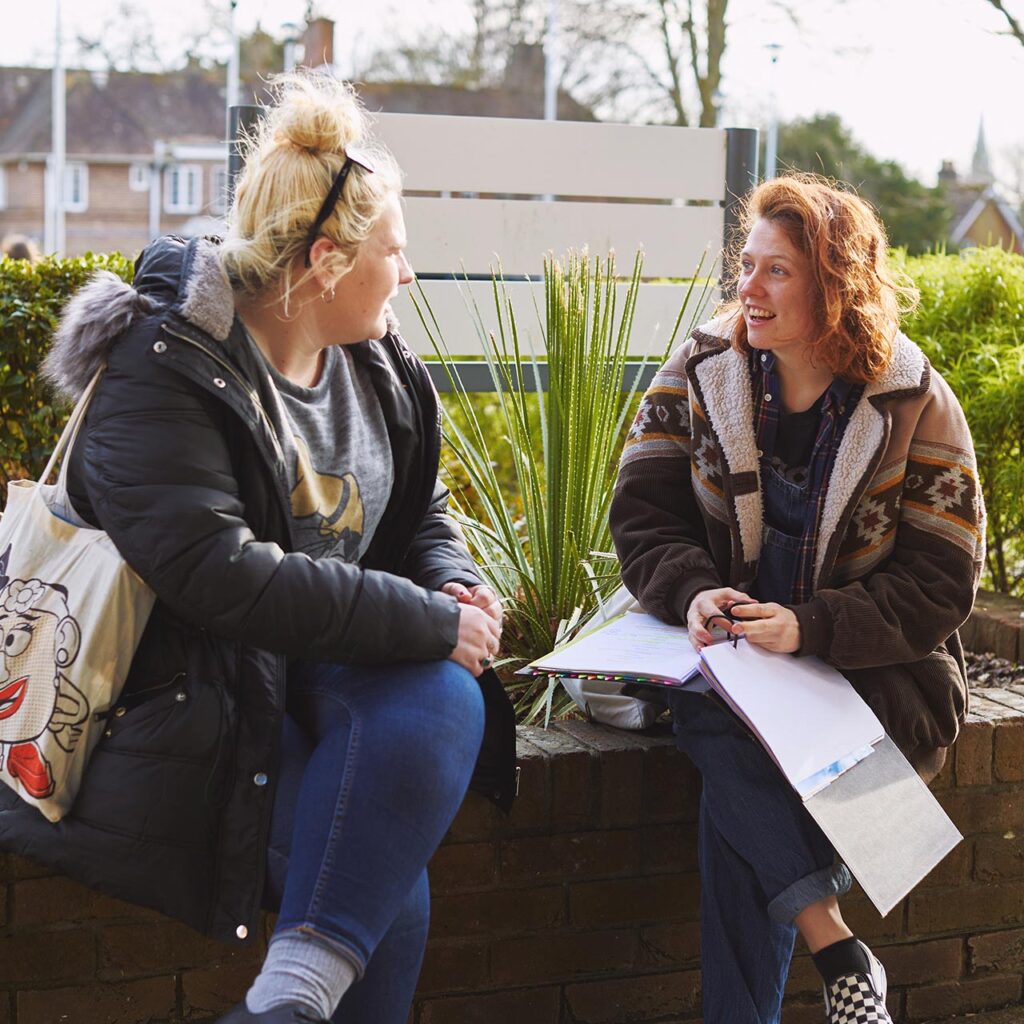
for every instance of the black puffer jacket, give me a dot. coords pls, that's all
(180, 465)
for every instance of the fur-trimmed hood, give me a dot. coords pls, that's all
(173, 275)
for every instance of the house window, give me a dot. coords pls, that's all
(3, 187)
(138, 177)
(76, 186)
(183, 188)
(218, 190)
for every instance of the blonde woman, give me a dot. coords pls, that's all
(306, 708)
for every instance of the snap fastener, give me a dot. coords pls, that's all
(109, 732)
(121, 712)
(160, 346)
(180, 696)
(241, 931)
(219, 382)
(764, 357)
(760, 454)
(260, 778)
(767, 398)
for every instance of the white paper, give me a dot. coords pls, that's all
(885, 825)
(634, 644)
(806, 714)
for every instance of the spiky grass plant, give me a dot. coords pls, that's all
(540, 532)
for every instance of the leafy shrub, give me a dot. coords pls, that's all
(533, 475)
(31, 299)
(971, 326)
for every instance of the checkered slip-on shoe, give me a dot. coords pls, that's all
(858, 998)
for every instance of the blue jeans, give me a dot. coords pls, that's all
(375, 763)
(762, 860)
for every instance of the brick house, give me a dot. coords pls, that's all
(146, 152)
(144, 155)
(981, 216)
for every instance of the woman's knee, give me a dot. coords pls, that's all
(431, 722)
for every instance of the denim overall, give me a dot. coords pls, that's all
(785, 505)
(762, 858)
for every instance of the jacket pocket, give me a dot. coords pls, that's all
(920, 704)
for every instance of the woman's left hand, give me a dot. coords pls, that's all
(769, 625)
(483, 597)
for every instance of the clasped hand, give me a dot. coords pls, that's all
(479, 626)
(766, 624)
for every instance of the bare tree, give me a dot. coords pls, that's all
(126, 40)
(1014, 25)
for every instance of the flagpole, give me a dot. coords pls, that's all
(551, 62)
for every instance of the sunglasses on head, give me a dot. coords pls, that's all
(353, 157)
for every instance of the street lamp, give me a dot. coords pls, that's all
(771, 145)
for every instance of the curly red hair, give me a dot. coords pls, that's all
(859, 298)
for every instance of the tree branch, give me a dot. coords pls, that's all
(1014, 26)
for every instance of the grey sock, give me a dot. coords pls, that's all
(300, 968)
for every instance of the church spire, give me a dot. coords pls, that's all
(981, 166)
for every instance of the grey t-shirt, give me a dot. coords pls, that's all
(337, 454)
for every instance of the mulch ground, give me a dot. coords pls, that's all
(984, 670)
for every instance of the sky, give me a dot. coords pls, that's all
(910, 78)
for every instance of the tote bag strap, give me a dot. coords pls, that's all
(70, 433)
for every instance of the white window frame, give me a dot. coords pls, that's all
(138, 176)
(218, 189)
(3, 187)
(76, 186)
(193, 201)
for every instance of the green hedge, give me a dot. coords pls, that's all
(970, 323)
(31, 298)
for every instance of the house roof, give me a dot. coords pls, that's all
(116, 112)
(498, 101)
(968, 205)
(125, 113)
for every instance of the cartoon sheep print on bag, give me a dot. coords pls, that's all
(39, 639)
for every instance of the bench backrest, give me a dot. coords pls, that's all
(483, 192)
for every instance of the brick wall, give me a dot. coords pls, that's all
(580, 906)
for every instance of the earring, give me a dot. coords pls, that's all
(323, 294)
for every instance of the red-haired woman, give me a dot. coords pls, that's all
(800, 452)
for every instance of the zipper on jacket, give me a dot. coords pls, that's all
(282, 491)
(246, 386)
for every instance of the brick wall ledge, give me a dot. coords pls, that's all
(581, 907)
(996, 625)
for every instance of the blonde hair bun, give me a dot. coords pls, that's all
(321, 114)
(291, 160)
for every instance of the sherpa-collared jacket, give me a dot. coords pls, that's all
(902, 532)
(179, 464)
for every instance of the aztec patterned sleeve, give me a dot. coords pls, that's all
(658, 531)
(924, 590)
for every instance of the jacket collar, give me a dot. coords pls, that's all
(176, 279)
(723, 381)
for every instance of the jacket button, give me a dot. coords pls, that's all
(767, 398)
(121, 711)
(242, 932)
(160, 346)
(219, 382)
(180, 696)
(260, 778)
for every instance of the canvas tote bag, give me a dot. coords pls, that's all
(71, 615)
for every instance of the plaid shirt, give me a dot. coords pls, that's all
(837, 407)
